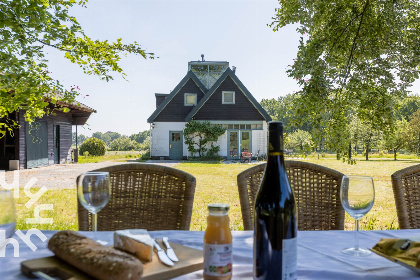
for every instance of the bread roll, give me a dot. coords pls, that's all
(104, 263)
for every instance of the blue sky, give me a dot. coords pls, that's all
(177, 31)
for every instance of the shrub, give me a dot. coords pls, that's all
(146, 155)
(94, 146)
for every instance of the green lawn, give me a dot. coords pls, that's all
(216, 182)
(117, 156)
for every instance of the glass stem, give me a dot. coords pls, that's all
(356, 237)
(94, 225)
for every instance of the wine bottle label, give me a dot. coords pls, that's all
(275, 154)
(289, 265)
(218, 259)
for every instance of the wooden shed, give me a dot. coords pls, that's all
(46, 141)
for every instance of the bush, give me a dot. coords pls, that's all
(145, 156)
(94, 146)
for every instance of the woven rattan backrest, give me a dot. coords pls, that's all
(146, 196)
(316, 189)
(406, 186)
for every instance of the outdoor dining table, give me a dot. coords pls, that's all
(319, 254)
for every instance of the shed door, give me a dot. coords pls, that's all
(36, 144)
(56, 144)
(175, 145)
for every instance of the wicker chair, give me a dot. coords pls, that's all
(406, 186)
(147, 196)
(316, 189)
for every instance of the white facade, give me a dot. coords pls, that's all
(160, 133)
(159, 145)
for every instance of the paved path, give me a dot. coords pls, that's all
(61, 176)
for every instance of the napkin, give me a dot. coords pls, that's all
(402, 250)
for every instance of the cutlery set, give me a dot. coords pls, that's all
(167, 258)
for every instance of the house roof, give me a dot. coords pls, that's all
(190, 75)
(241, 86)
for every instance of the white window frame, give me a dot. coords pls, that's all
(223, 97)
(185, 99)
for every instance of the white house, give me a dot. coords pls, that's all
(210, 91)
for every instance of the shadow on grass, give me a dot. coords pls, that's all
(390, 160)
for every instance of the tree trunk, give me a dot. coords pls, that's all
(349, 150)
(367, 152)
(395, 154)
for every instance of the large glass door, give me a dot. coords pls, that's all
(238, 141)
(245, 141)
(233, 145)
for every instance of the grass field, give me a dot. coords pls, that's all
(117, 156)
(216, 182)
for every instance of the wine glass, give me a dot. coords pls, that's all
(93, 190)
(7, 216)
(357, 195)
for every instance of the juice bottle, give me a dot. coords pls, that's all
(217, 244)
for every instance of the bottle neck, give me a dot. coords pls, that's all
(275, 150)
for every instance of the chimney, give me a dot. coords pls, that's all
(234, 69)
(202, 57)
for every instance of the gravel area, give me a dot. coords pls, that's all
(63, 176)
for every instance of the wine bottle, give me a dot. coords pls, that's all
(275, 223)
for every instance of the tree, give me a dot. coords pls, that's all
(27, 30)
(282, 110)
(398, 138)
(360, 55)
(123, 144)
(407, 107)
(199, 135)
(141, 136)
(369, 136)
(299, 141)
(413, 135)
(80, 138)
(107, 137)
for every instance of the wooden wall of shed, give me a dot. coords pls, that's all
(59, 118)
(243, 109)
(176, 111)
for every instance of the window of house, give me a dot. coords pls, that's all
(228, 97)
(190, 99)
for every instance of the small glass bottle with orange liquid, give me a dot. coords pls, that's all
(217, 244)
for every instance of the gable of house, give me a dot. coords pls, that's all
(214, 109)
(173, 108)
(244, 107)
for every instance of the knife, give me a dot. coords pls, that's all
(162, 255)
(169, 251)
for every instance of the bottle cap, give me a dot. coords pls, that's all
(218, 207)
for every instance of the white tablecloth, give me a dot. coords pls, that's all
(319, 255)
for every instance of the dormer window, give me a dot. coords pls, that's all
(190, 99)
(228, 97)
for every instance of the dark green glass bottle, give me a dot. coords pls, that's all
(275, 224)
